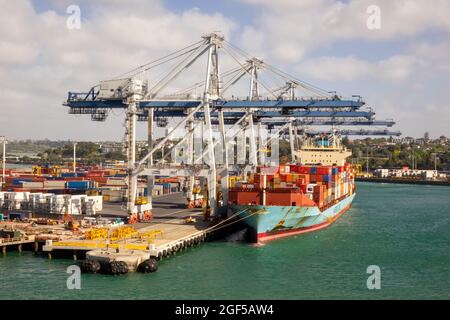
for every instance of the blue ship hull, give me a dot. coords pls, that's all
(271, 222)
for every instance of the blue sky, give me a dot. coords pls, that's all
(402, 70)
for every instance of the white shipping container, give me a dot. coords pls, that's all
(75, 206)
(157, 190)
(115, 199)
(97, 202)
(59, 199)
(2, 198)
(33, 200)
(54, 184)
(116, 182)
(20, 196)
(32, 185)
(80, 197)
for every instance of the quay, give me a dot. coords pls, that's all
(15, 244)
(172, 229)
(404, 181)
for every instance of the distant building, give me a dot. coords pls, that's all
(111, 147)
(443, 140)
(406, 172)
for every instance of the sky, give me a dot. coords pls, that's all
(401, 69)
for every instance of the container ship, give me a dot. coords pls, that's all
(290, 199)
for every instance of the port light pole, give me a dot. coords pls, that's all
(367, 160)
(3, 141)
(74, 157)
(435, 154)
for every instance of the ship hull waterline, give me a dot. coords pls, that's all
(273, 222)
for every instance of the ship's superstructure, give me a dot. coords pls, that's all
(323, 150)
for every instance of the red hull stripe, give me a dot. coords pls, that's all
(267, 236)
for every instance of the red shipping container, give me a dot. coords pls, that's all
(99, 179)
(75, 178)
(248, 197)
(303, 188)
(304, 177)
(303, 169)
(323, 170)
(318, 190)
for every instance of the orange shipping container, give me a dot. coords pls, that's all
(289, 177)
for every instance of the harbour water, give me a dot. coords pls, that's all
(403, 229)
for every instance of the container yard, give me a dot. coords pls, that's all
(63, 213)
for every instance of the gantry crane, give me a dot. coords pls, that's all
(272, 99)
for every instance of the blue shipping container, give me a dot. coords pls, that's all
(77, 184)
(313, 170)
(16, 215)
(18, 181)
(68, 174)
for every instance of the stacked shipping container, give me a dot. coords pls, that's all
(322, 184)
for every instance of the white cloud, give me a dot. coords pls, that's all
(289, 29)
(17, 53)
(395, 68)
(40, 59)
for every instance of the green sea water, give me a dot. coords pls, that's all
(403, 229)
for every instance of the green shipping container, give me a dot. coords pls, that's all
(1, 216)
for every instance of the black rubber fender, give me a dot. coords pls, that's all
(90, 266)
(148, 266)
